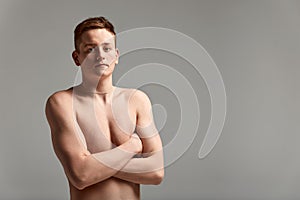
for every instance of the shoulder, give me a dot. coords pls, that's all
(62, 95)
(140, 101)
(135, 96)
(59, 110)
(59, 99)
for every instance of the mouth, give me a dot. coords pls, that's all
(102, 65)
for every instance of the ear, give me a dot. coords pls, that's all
(75, 57)
(117, 56)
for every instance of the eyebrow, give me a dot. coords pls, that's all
(90, 44)
(94, 44)
(106, 43)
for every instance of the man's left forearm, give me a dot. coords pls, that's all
(149, 170)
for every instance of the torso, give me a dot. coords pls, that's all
(105, 125)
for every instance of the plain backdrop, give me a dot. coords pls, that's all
(256, 47)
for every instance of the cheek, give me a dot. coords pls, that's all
(111, 57)
(89, 58)
(81, 58)
(86, 62)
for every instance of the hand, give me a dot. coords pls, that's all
(136, 143)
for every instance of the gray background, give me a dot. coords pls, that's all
(256, 47)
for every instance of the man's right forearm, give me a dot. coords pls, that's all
(98, 167)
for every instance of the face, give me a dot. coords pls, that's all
(97, 54)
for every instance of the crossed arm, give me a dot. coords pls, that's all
(84, 169)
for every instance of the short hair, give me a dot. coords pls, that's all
(89, 24)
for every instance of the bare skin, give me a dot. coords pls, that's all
(93, 125)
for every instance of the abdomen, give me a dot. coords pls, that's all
(110, 189)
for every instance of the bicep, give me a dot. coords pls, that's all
(145, 126)
(66, 143)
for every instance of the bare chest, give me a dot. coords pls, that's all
(104, 126)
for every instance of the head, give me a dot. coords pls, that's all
(95, 45)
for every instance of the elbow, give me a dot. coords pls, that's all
(80, 180)
(158, 177)
(80, 175)
(80, 185)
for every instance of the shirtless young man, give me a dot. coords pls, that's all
(93, 124)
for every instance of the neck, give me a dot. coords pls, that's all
(102, 86)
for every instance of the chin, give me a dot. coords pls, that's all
(101, 73)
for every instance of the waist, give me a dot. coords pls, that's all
(112, 188)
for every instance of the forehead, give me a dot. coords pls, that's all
(97, 36)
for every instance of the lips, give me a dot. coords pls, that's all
(102, 65)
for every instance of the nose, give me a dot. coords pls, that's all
(99, 54)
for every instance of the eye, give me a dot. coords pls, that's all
(91, 49)
(106, 49)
